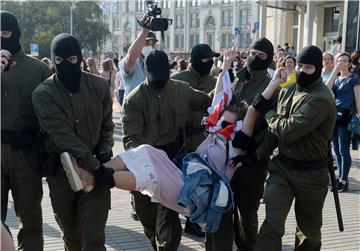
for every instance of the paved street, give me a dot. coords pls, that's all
(122, 233)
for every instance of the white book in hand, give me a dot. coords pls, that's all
(69, 163)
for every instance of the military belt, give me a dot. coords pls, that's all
(303, 165)
(18, 138)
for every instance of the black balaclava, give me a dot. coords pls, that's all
(157, 69)
(200, 67)
(199, 52)
(10, 23)
(65, 45)
(254, 63)
(309, 55)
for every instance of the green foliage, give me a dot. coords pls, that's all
(41, 21)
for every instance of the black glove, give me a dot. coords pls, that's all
(104, 177)
(261, 104)
(244, 142)
(103, 156)
(245, 160)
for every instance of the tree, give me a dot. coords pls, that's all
(41, 21)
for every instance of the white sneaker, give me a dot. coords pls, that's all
(69, 163)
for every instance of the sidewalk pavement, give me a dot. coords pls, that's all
(123, 233)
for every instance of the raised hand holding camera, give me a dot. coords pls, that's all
(153, 20)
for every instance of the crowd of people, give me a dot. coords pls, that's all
(201, 138)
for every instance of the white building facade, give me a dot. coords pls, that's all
(194, 21)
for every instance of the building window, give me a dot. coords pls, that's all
(210, 21)
(244, 17)
(227, 18)
(224, 18)
(209, 40)
(179, 21)
(127, 8)
(179, 41)
(331, 21)
(194, 20)
(193, 40)
(180, 3)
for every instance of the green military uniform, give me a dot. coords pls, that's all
(79, 123)
(303, 124)
(194, 131)
(20, 167)
(153, 116)
(248, 181)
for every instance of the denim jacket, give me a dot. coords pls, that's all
(206, 193)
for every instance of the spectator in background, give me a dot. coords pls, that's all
(182, 65)
(291, 51)
(280, 63)
(328, 66)
(108, 72)
(215, 70)
(355, 61)
(336, 49)
(280, 53)
(116, 62)
(83, 65)
(119, 88)
(238, 63)
(173, 67)
(47, 62)
(131, 67)
(271, 69)
(289, 64)
(92, 66)
(346, 88)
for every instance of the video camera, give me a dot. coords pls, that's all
(156, 23)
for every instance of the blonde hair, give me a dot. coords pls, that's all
(92, 66)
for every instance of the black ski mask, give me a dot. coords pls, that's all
(309, 55)
(64, 46)
(157, 69)
(199, 52)
(254, 63)
(10, 23)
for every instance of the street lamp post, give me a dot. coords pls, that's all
(71, 16)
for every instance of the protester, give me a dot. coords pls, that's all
(131, 67)
(248, 181)
(154, 113)
(92, 66)
(328, 66)
(198, 77)
(74, 109)
(300, 170)
(20, 135)
(346, 89)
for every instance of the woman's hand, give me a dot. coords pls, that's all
(229, 56)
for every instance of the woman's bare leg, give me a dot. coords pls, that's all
(117, 164)
(124, 179)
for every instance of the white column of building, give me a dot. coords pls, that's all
(186, 25)
(283, 28)
(309, 21)
(275, 31)
(301, 10)
(172, 27)
(345, 9)
(263, 14)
